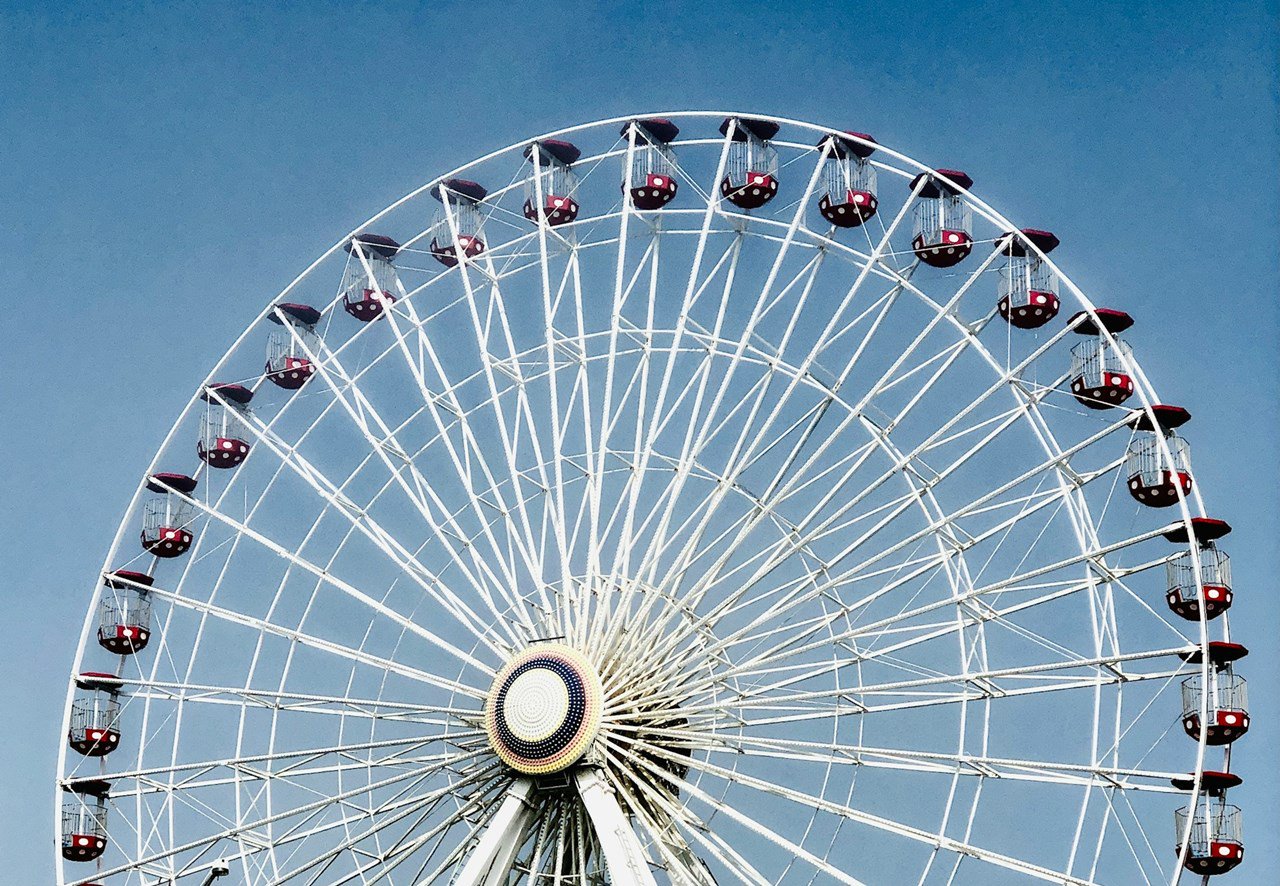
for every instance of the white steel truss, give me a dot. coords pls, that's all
(854, 565)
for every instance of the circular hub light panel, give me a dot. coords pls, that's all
(543, 710)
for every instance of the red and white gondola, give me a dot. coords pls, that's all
(751, 170)
(650, 181)
(289, 349)
(370, 276)
(458, 229)
(848, 196)
(551, 191)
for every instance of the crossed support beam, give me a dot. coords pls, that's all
(492, 858)
(496, 851)
(622, 853)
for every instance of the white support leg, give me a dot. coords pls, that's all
(622, 853)
(496, 851)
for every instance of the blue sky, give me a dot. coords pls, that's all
(167, 166)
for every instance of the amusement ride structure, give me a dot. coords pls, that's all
(704, 498)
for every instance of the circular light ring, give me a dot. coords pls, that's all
(543, 710)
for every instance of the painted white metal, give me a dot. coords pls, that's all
(550, 458)
(491, 859)
(622, 851)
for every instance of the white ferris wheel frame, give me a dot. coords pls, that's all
(616, 836)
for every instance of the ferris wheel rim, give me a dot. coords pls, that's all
(1144, 390)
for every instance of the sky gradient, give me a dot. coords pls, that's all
(166, 168)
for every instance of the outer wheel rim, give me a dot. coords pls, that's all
(1143, 387)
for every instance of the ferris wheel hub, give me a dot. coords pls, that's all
(543, 711)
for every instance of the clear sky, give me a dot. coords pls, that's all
(165, 168)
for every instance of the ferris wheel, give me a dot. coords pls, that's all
(705, 499)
